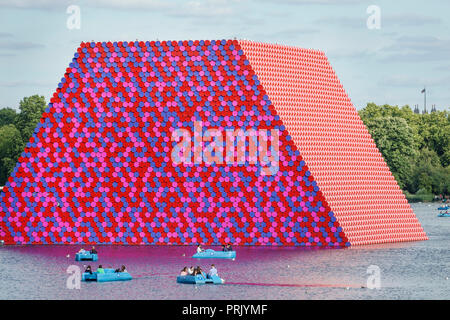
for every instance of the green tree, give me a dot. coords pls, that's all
(428, 174)
(6, 167)
(11, 146)
(395, 140)
(426, 169)
(7, 116)
(31, 109)
(445, 159)
(372, 111)
(434, 128)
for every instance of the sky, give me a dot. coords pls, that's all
(384, 56)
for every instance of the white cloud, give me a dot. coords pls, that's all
(5, 35)
(19, 45)
(178, 8)
(50, 5)
(35, 4)
(387, 21)
(132, 4)
(409, 20)
(25, 83)
(205, 8)
(318, 2)
(417, 48)
(198, 5)
(289, 34)
(347, 22)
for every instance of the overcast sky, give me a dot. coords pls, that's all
(392, 64)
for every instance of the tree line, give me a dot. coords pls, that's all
(416, 147)
(16, 129)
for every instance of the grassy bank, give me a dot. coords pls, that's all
(419, 197)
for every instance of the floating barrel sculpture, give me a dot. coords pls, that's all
(99, 167)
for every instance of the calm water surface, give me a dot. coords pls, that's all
(413, 270)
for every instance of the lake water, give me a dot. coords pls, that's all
(412, 270)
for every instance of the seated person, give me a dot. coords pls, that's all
(121, 269)
(200, 272)
(93, 251)
(199, 249)
(195, 272)
(229, 248)
(224, 248)
(100, 269)
(88, 270)
(184, 272)
(212, 271)
(190, 270)
(82, 251)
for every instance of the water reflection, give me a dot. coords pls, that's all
(409, 270)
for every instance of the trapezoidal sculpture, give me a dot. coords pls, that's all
(100, 167)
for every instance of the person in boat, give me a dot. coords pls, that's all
(100, 269)
(199, 249)
(93, 251)
(224, 248)
(184, 272)
(195, 272)
(200, 272)
(121, 269)
(229, 248)
(212, 271)
(88, 270)
(190, 270)
(81, 250)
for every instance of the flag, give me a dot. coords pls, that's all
(422, 90)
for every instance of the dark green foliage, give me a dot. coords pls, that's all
(6, 167)
(31, 109)
(11, 146)
(416, 147)
(16, 130)
(395, 140)
(7, 116)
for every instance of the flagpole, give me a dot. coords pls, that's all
(424, 91)
(425, 100)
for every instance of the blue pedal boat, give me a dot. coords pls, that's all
(200, 279)
(86, 256)
(444, 214)
(108, 276)
(209, 253)
(444, 208)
